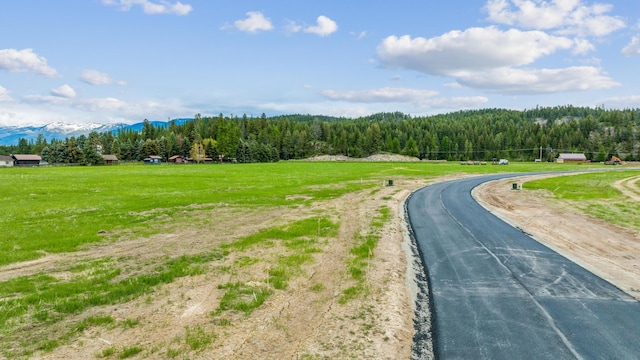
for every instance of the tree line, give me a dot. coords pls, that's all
(464, 135)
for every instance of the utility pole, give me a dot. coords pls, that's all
(540, 153)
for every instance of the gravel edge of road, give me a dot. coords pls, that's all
(417, 284)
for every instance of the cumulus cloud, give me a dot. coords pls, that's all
(493, 60)
(622, 101)
(324, 27)
(538, 81)
(4, 95)
(94, 77)
(44, 109)
(152, 8)
(386, 94)
(633, 48)
(564, 16)
(108, 104)
(582, 46)
(419, 98)
(254, 22)
(25, 60)
(473, 49)
(64, 91)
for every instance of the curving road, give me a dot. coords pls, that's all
(498, 294)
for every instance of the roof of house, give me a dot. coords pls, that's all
(5, 158)
(155, 157)
(110, 157)
(175, 157)
(26, 157)
(572, 157)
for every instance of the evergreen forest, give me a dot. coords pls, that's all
(478, 135)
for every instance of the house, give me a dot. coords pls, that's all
(26, 160)
(206, 160)
(153, 159)
(6, 161)
(110, 159)
(562, 158)
(178, 159)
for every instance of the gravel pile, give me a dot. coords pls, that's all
(375, 157)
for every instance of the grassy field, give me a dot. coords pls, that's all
(52, 210)
(58, 210)
(595, 195)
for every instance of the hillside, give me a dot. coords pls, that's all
(459, 136)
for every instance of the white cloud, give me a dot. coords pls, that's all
(420, 100)
(473, 49)
(45, 109)
(456, 102)
(25, 60)
(582, 46)
(152, 8)
(453, 85)
(94, 77)
(564, 16)
(108, 104)
(47, 100)
(292, 27)
(360, 35)
(254, 22)
(386, 94)
(4, 95)
(538, 81)
(621, 102)
(324, 27)
(491, 59)
(633, 48)
(64, 91)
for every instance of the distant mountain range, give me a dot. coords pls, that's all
(11, 135)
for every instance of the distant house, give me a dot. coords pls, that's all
(26, 160)
(6, 161)
(206, 160)
(110, 159)
(153, 159)
(562, 158)
(178, 159)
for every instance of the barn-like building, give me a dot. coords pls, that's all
(26, 160)
(562, 158)
(6, 161)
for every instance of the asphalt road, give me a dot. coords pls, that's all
(498, 294)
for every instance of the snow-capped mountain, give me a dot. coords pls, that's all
(11, 135)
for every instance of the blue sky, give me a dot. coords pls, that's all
(108, 61)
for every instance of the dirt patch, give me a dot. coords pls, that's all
(607, 250)
(306, 320)
(374, 157)
(629, 187)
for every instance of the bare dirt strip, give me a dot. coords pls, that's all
(629, 187)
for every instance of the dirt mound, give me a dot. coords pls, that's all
(375, 157)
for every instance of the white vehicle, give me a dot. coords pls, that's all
(503, 162)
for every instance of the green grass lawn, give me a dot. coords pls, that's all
(594, 194)
(57, 209)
